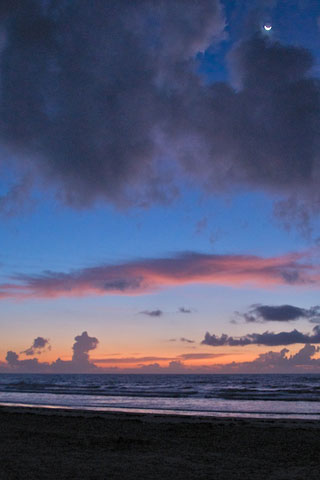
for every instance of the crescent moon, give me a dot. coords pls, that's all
(267, 27)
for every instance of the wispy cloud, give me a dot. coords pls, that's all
(131, 360)
(185, 310)
(181, 339)
(152, 313)
(143, 276)
(200, 356)
(140, 360)
(186, 340)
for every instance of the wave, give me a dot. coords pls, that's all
(189, 392)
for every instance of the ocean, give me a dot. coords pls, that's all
(260, 396)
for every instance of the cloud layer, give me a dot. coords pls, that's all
(142, 276)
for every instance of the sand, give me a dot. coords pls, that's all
(58, 444)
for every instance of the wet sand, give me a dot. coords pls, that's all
(59, 444)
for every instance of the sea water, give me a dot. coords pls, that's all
(267, 396)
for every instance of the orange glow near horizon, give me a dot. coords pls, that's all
(131, 362)
(162, 358)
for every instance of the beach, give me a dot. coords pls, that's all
(39, 443)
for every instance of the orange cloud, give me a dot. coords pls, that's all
(142, 276)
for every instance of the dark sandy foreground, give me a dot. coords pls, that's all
(46, 444)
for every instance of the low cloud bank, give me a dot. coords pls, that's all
(277, 362)
(80, 362)
(270, 362)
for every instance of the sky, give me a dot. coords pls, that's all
(159, 199)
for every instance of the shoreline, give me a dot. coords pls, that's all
(220, 414)
(40, 443)
(151, 415)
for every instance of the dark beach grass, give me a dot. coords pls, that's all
(59, 444)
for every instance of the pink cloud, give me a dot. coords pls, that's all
(143, 276)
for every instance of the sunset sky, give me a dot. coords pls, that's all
(159, 189)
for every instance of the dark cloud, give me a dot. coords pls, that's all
(87, 86)
(152, 313)
(103, 100)
(282, 313)
(185, 310)
(181, 339)
(186, 340)
(262, 133)
(39, 344)
(303, 357)
(266, 338)
(25, 366)
(266, 132)
(83, 344)
(141, 276)
(8, 7)
(12, 358)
